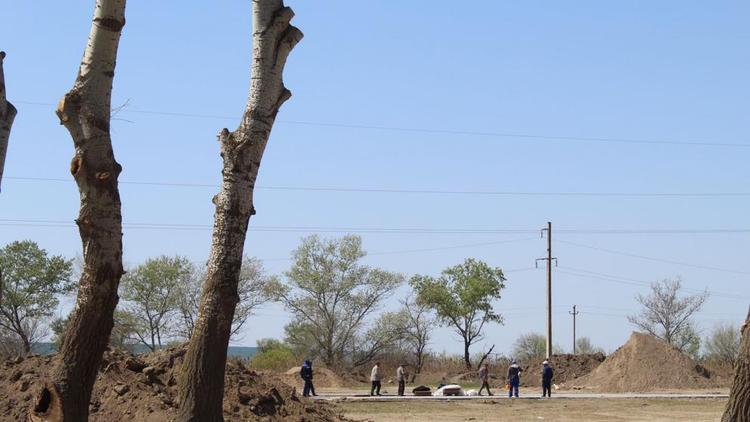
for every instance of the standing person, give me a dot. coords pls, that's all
(514, 378)
(547, 374)
(306, 372)
(375, 379)
(484, 377)
(401, 377)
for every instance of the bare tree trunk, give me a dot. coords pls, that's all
(7, 115)
(85, 113)
(201, 385)
(738, 406)
(485, 356)
(467, 356)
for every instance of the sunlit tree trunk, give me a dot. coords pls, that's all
(201, 384)
(85, 113)
(738, 406)
(7, 115)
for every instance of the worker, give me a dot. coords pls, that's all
(401, 377)
(375, 377)
(514, 378)
(547, 374)
(484, 378)
(306, 372)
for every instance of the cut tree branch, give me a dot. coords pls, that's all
(7, 115)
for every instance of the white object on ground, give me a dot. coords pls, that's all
(440, 391)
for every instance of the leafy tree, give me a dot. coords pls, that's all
(31, 282)
(251, 290)
(462, 298)
(668, 316)
(532, 346)
(122, 336)
(584, 346)
(723, 344)
(417, 331)
(273, 355)
(331, 296)
(152, 294)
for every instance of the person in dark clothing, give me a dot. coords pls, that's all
(484, 377)
(514, 379)
(547, 374)
(306, 372)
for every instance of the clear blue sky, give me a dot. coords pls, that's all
(641, 70)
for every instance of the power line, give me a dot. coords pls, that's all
(649, 258)
(423, 191)
(381, 230)
(490, 134)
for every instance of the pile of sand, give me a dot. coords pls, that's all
(143, 388)
(322, 377)
(646, 363)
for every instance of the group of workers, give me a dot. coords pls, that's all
(514, 379)
(376, 375)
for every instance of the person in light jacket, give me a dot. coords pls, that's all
(401, 377)
(375, 378)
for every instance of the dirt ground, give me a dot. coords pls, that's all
(537, 410)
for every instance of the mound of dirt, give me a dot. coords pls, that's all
(143, 388)
(567, 367)
(322, 377)
(646, 363)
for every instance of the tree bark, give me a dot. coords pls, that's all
(467, 356)
(201, 384)
(738, 406)
(7, 115)
(85, 113)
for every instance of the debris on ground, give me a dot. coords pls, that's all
(143, 388)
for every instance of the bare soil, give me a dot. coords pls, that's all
(143, 389)
(597, 410)
(644, 364)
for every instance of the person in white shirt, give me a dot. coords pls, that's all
(375, 378)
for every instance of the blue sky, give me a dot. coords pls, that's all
(651, 71)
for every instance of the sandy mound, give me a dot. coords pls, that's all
(322, 377)
(143, 388)
(567, 367)
(646, 363)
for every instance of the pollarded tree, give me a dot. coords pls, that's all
(462, 299)
(85, 111)
(738, 406)
(251, 290)
(201, 384)
(668, 316)
(332, 296)
(7, 115)
(32, 281)
(152, 294)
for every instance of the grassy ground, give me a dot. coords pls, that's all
(526, 410)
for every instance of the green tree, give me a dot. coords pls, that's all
(533, 346)
(152, 295)
(668, 316)
(584, 346)
(331, 296)
(31, 283)
(251, 290)
(462, 298)
(723, 344)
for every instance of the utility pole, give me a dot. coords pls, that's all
(549, 260)
(574, 313)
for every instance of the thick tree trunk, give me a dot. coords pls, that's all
(738, 406)
(201, 385)
(7, 115)
(85, 113)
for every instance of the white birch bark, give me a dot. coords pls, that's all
(85, 113)
(201, 385)
(7, 115)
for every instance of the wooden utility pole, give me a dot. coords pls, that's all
(549, 260)
(574, 313)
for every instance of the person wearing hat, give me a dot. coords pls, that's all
(547, 374)
(514, 378)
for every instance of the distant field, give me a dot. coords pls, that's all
(234, 351)
(577, 410)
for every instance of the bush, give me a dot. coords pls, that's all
(273, 355)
